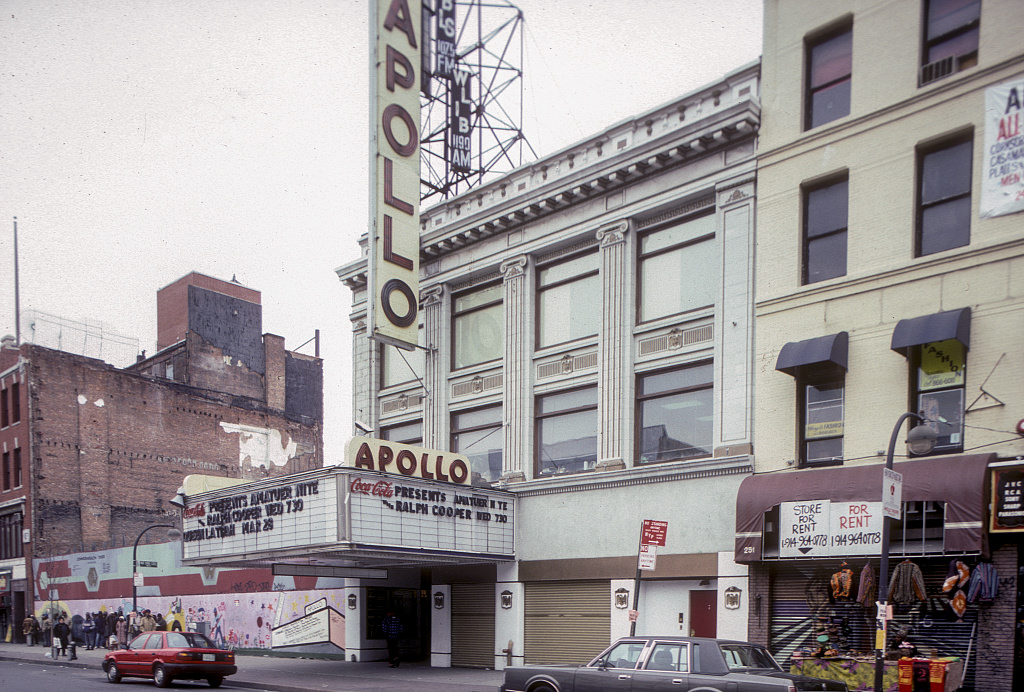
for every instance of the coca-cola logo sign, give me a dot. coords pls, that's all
(196, 511)
(376, 489)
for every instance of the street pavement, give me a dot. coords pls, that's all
(295, 674)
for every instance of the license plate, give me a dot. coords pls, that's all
(209, 657)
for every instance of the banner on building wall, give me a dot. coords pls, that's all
(460, 122)
(393, 293)
(1007, 499)
(1002, 189)
(822, 528)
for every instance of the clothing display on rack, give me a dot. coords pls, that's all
(842, 582)
(907, 583)
(867, 591)
(984, 583)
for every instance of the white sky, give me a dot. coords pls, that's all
(144, 139)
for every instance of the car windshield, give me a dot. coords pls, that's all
(739, 656)
(622, 655)
(185, 640)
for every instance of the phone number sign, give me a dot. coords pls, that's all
(822, 528)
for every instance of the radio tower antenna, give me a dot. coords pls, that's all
(472, 95)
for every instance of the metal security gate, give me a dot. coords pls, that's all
(473, 625)
(801, 609)
(567, 621)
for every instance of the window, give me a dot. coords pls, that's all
(569, 300)
(10, 535)
(829, 75)
(678, 268)
(675, 413)
(18, 481)
(7, 471)
(950, 37)
(624, 655)
(5, 416)
(940, 369)
(404, 433)
(477, 436)
(672, 657)
(825, 217)
(399, 366)
(15, 403)
(822, 424)
(479, 327)
(944, 196)
(567, 432)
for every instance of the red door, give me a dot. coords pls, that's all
(703, 614)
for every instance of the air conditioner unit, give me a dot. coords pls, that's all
(939, 69)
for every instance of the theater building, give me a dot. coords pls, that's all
(889, 248)
(585, 344)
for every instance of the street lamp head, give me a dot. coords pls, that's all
(179, 499)
(174, 534)
(921, 439)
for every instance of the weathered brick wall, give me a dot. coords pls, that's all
(110, 448)
(759, 582)
(994, 641)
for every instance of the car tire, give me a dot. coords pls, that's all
(160, 678)
(215, 681)
(113, 674)
(543, 687)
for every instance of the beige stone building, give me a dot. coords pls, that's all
(888, 280)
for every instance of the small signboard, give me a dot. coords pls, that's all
(648, 557)
(1007, 499)
(892, 493)
(822, 528)
(653, 532)
(138, 579)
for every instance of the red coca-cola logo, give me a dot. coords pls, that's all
(197, 511)
(378, 489)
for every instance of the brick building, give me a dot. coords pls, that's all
(92, 454)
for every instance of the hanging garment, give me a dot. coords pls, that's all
(984, 584)
(867, 591)
(842, 582)
(956, 576)
(907, 583)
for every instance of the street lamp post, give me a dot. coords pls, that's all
(920, 440)
(172, 531)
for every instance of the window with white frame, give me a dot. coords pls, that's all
(477, 435)
(568, 300)
(678, 268)
(566, 424)
(478, 330)
(676, 413)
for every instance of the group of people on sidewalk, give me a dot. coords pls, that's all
(98, 630)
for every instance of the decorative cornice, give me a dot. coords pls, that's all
(513, 268)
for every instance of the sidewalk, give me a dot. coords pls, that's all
(290, 674)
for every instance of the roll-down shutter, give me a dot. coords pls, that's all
(566, 622)
(473, 625)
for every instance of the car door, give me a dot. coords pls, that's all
(129, 659)
(666, 669)
(613, 672)
(153, 651)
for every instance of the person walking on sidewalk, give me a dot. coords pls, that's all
(392, 627)
(121, 631)
(61, 634)
(30, 628)
(47, 627)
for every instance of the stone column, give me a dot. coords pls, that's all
(436, 333)
(516, 401)
(613, 346)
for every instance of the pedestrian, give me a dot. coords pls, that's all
(89, 631)
(392, 627)
(122, 632)
(61, 635)
(100, 637)
(147, 623)
(161, 624)
(112, 626)
(47, 630)
(30, 628)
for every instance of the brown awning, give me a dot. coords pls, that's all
(957, 481)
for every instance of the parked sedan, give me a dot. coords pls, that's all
(166, 656)
(676, 664)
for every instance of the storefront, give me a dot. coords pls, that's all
(812, 541)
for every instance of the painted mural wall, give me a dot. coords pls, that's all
(237, 608)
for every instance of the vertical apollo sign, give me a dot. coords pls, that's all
(395, 35)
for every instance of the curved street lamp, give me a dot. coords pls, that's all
(920, 440)
(172, 532)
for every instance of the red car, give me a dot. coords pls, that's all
(166, 656)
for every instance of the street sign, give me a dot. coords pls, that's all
(648, 557)
(892, 493)
(653, 532)
(138, 579)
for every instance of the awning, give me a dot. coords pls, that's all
(952, 324)
(957, 481)
(823, 349)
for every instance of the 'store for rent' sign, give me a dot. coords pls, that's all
(815, 528)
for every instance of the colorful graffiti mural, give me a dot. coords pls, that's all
(237, 608)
